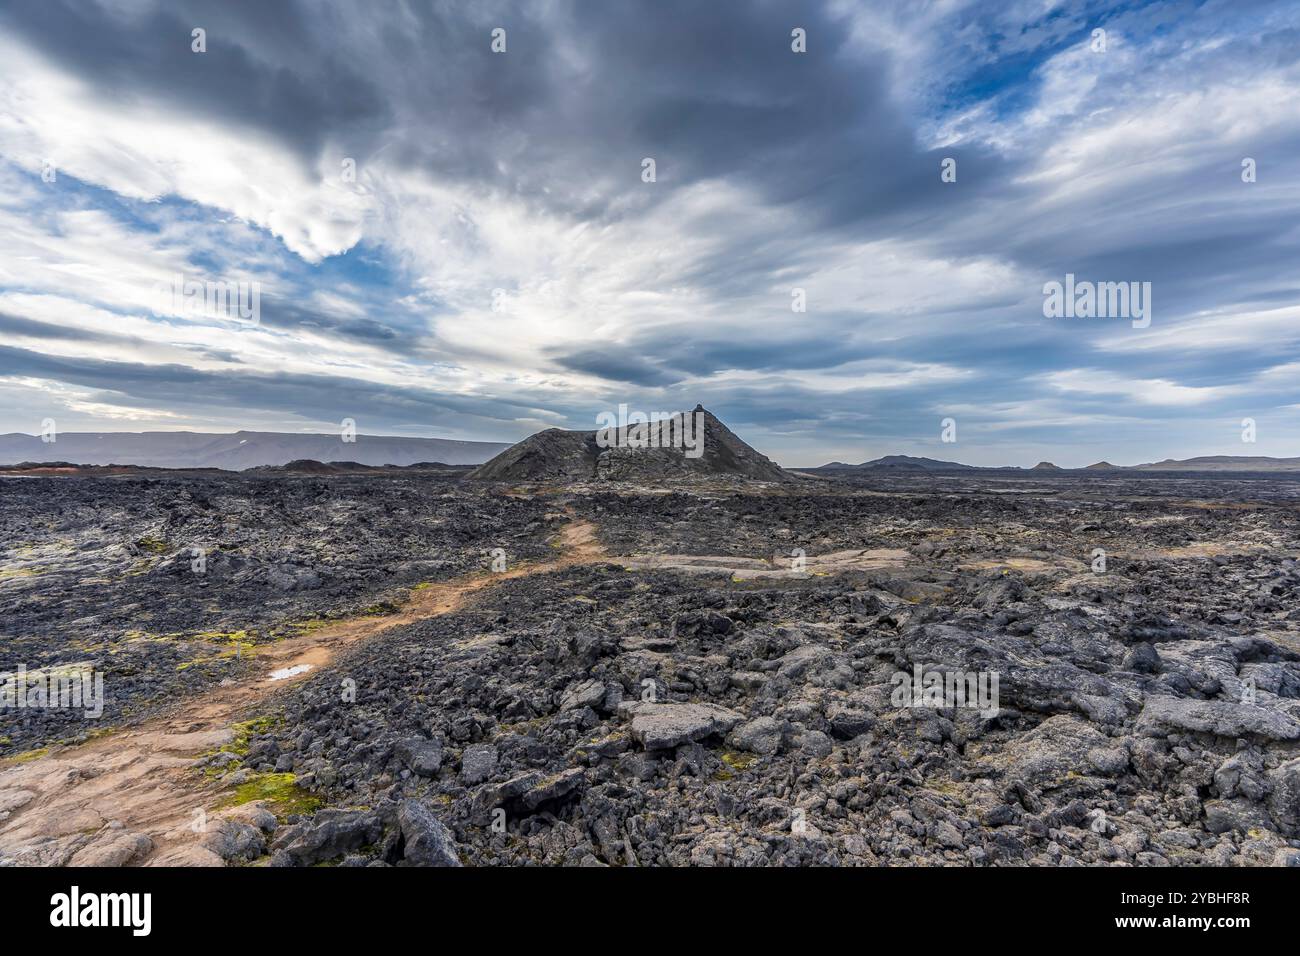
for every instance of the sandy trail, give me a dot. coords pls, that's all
(131, 797)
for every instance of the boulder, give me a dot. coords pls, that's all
(1284, 798)
(660, 726)
(478, 763)
(1224, 816)
(327, 836)
(422, 757)
(588, 693)
(762, 735)
(529, 791)
(234, 840)
(426, 841)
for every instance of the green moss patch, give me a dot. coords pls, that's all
(280, 792)
(246, 730)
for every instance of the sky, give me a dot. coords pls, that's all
(447, 214)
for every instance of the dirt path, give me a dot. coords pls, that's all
(131, 797)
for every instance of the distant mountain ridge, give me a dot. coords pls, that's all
(238, 450)
(904, 463)
(1226, 463)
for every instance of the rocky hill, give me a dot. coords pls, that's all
(560, 455)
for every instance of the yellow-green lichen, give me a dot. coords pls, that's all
(738, 761)
(7, 573)
(140, 567)
(240, 646)
(151, 544)
(26, 756)
(279, 791)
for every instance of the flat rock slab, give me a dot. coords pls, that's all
(1219, 717)
(782, 566)
(11, 800)
(661, 726)
(113, 846)
(200, 740)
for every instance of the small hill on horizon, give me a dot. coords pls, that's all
(557, 454)
(903, 463)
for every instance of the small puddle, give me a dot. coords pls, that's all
(284, 673)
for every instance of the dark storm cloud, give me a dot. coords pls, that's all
(282, 314)
(586, 91)
(151, 55)
(617, 365)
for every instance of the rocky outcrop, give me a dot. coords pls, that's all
(623, 455)
(1221, 718)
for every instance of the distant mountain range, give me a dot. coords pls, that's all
(1243, 463)
(1224, 463)
(237, 451)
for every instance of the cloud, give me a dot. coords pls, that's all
(1149, 391)
(498, 264)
